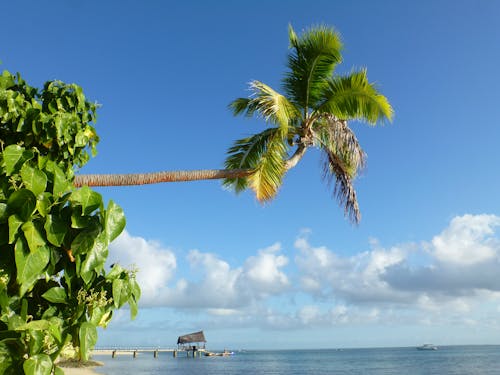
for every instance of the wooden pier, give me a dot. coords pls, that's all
(190, 345)
(134, 352)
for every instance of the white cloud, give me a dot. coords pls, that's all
(216, 288)
(156, 265)
(456, 273)
(467, 240)
(263, 272)
(452, 276)
(356, 278)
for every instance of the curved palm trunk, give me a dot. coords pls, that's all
(295, 158)
(133, 179)
(157, 177)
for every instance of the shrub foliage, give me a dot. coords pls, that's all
(54, 289)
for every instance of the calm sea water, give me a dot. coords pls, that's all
(452, 360)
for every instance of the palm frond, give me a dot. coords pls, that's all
(292, 36)
(312, 60)
(269, 104)
(268, 175)
(336, 136)
(343, 158)
(239, 106)
(335, 174)
(245, 154)
(353, 97)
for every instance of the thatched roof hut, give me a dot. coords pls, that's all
(191, 338)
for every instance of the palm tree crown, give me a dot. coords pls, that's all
(313, 112)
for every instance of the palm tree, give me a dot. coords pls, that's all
(313, 112)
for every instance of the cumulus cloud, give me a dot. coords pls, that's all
(155, 264)
(218, 287)
(456, 272)
(226, 288)
(263, 272)
(461, 268)
(356, 278)
(215, 289)
(467, 241)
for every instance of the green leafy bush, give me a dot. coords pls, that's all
(54, 289)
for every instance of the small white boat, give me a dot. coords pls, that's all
(427, 347)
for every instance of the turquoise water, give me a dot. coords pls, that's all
(451, 360)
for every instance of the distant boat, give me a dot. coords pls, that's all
(427, 347)
(225, 353)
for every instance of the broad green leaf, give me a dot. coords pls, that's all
(83, 242)
(33, 236)
(14, 156)
(135, 289)
(21, 252)
(115, 272)
(23, 203)
(134, 309)
(34, 265)
(34, 179)
(43, 203)
(14, 223)
(50, 312)
(55, 295)
(55, 327)
(78, 221)
(120, 292)
(106, 318)
(88, 199)
(59, 180)
(14, 322)
(58, 371)
(56, 229)
(95, 258)
(88, 339)
(35, 340)
(38, 325)
(114, 220)
(81, 139)
(39, 364)
(61, 184)
(96, 315)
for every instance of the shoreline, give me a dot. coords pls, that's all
(79, 371)
(91, 369)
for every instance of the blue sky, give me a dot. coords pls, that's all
(423, 264)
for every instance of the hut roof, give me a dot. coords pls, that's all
(191, 337)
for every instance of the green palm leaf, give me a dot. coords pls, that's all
(353, 97)
(267, 103)
(313, 112)
(268, 175)
(245, 154)
(315, 54)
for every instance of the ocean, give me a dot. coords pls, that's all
(447, 360)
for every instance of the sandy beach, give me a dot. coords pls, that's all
(79, 371)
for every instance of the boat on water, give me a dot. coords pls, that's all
(225, 353)
(427, 347)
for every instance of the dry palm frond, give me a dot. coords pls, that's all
(343, 159)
